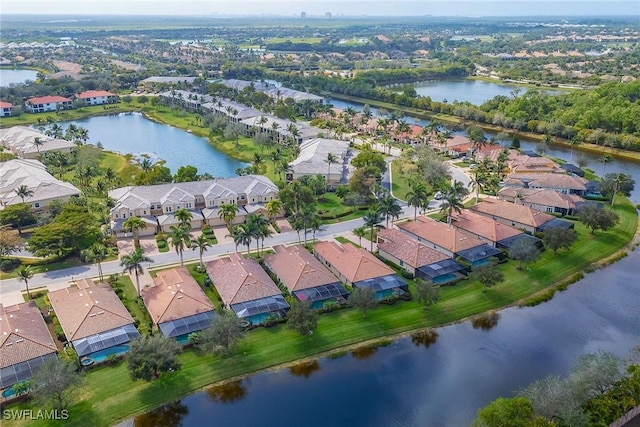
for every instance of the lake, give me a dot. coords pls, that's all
(474, 91)
(441, 383)
(9, 76)
(133, 133)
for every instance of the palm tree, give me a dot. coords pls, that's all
(24, 275)
(185, 217)
(360, 232)
(134, 224)
(201, 243)
(146, 164)
(23, 192)
(453, 199)
(316, 224)
(263, 232)
(275, 156)
(273, 208)
(372, 218)
(606, 158)
(180, 239)
(331, 159)
(258, 225)
(244, 236)
(133, 263)
(417, 198)
(96, 253)
(258, 160)
(38, 142)
(388, 206)
(228, 213)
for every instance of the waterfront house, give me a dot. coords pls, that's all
(416, 258)
(25, 343)
(449, 240)
(234, 111)
(43, 104)
(94, 320)
(97, 97)
(484, 229)
(305, 277)
(279, 129)
(518, 216)
(6, 109)
(276, 93)
(33, 174)
(177, 304)
(21, 141)
(544, 200)
(559, 182)
(359, 268)
(247, 289)
(312, 160)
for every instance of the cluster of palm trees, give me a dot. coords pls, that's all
(255, 228)
(386, 208)
(452, 198)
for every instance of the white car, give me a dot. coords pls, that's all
(438, 195)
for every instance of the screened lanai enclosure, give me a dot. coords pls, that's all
(97, 346)
(182, 327)
(384, 286)
(258, 310)
(13, 374)
(318, 295)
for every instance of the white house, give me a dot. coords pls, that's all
(43, 104)
(97, 97)
(6, 109)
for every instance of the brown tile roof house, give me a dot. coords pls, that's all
(303, 274)
(559, 182)
(542, 199)
(92, 316)
(444, 238)
(408, 251)
(485, 229)
(246, 288)
(518, 216)
(25, 342)
(177, 304)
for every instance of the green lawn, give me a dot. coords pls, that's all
(129, 296)
(109, 395)
(37, 266)
(332, 210)
(400, 180)
(31, 119)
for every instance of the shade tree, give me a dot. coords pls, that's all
(149, 357)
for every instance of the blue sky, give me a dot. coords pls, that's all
(319, 7)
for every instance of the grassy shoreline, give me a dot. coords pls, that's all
(109, 395)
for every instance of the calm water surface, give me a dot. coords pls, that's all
(132, 133)
(442, 383)
(16, 76)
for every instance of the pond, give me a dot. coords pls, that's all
(437, 379)
(9, 76)
(474, 91)
(133, 133)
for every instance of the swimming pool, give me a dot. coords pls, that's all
(101, 356)
(445, 278)
(9, 392)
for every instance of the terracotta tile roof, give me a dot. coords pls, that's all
(551, 180)
(410, 251)
(297, 268)
(512, 212)
(440, 234)
(175, 295)
(88, 309)
(23, 334)
(552, 198)
(240, 280)
(5, 104)
(353, 263)
(95, 94)
(478, 225)
(47, 100)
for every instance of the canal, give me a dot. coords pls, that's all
(443, 383)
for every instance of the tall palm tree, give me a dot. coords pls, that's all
(23, 192)
(275, 156)
(417, 198)
(134, 224)
(185, 217)
(254, 224)
(258, 160)
(235, 234)
(606, 158)
(38, 142)
(201, 244)
(180, 239)
(146, 164)
(360, 232)
(273, 208)
(453, 199)
(388, 206)
(96, 253)
(24, 275)
(133, 263)
(228, 213)
(372, 218)
(244, 236)
(316, 225)
(263, 232)
(331, 159)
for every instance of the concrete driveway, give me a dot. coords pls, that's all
(222, 234)
(147, 243)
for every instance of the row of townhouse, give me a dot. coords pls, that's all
(156, 204)
(28, 143)
(43, 104)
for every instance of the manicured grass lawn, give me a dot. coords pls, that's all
(109, 394)
(344, 240)
(129, 297)
(211, 291)
(37, 267)
(400, 182)
(332, 209)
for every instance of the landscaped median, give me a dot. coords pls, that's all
(109, 394)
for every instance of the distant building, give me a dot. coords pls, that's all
(327, 15)
(44, 104)
(303, 15)
(25, 343)
(276, 93)
(97, 97)
(312, 160)
(518, 216)
(6, 109)
(21, 141)
(33, 174)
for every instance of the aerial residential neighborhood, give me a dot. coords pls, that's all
(202, 213)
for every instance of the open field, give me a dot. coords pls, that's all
(109, 394)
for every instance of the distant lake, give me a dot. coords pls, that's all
(474, 91)
(133, 133)
(16, 76)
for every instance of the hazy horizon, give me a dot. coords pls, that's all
(461, 8)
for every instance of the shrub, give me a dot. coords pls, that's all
(9, 264)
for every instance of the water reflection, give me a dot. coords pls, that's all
(169, 415)
(425, 338)
(486, 322)
(227, 392)
(305, 369)
(362, 353)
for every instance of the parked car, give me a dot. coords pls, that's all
(438, 195)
